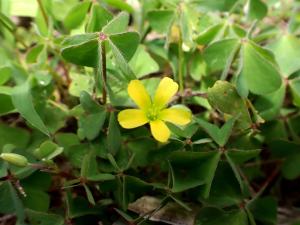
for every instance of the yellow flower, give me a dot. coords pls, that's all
(154, 110)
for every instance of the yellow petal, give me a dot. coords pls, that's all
(176, 115)
(167, 88)
(159, 130)
(138, 94)
(132, 118)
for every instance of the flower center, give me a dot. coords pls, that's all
(153, 113)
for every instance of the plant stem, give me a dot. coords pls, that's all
(180, 62)
(103, 72)
(43, 11)
(266, 183)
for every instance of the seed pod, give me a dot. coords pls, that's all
(14, 159)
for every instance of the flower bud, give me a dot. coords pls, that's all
(14, 159)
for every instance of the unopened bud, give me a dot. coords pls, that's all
(14, 159)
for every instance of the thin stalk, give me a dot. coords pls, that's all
(180, 63)
(251, 29)
(266, 184)
(103, 72)
(44, 14)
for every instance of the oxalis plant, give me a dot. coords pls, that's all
(182, 112)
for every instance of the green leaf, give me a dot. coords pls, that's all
(76, 154)
(36, 199)
(198, 66)
(210, 34)
(123, 47)
(186, 131)
(7, 21)
(5, 74)
(33, 54)
(120, 4)
(258, 69)
(242, 156)
(142, 63)
(220, 136)
(38, 180)
(264, 209)
(41, 25)
(269, 105)
(79, 206)
(225, 188)
(257, 9)
(6, 101)
(295, 89)
(161, 20)
(23, 102)
(40, 218)
(215, 216)
(89, 104)
(235, 172)
(89, 165)
(117, 25)
(188, 20)
(76, 15)
(136, 186)
(89, 195)
(224, 97)
(290, 170)
(114, 139)
(80, 83)
(101, 177)
(284, 148)
(98, 19)
(48, 150)
(125, 43)
(92, 122)
(221, 5)
(8, 136)
(10, 201)
(287, 52)
(218, 53)
(81, 49)
(191, 169)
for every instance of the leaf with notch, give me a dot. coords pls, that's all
(220, 136)
(98, 19)
(117, 25)
(259, 69)
(257, 9)
(161, 20)
(81, 49)
(216, 216)
(191, 169)
(287, 52)
(123, 47)
(76, 15)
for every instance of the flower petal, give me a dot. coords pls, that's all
(166, 89)
(176, 115)
(138, 94)
(159, 130)
(132, 118)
